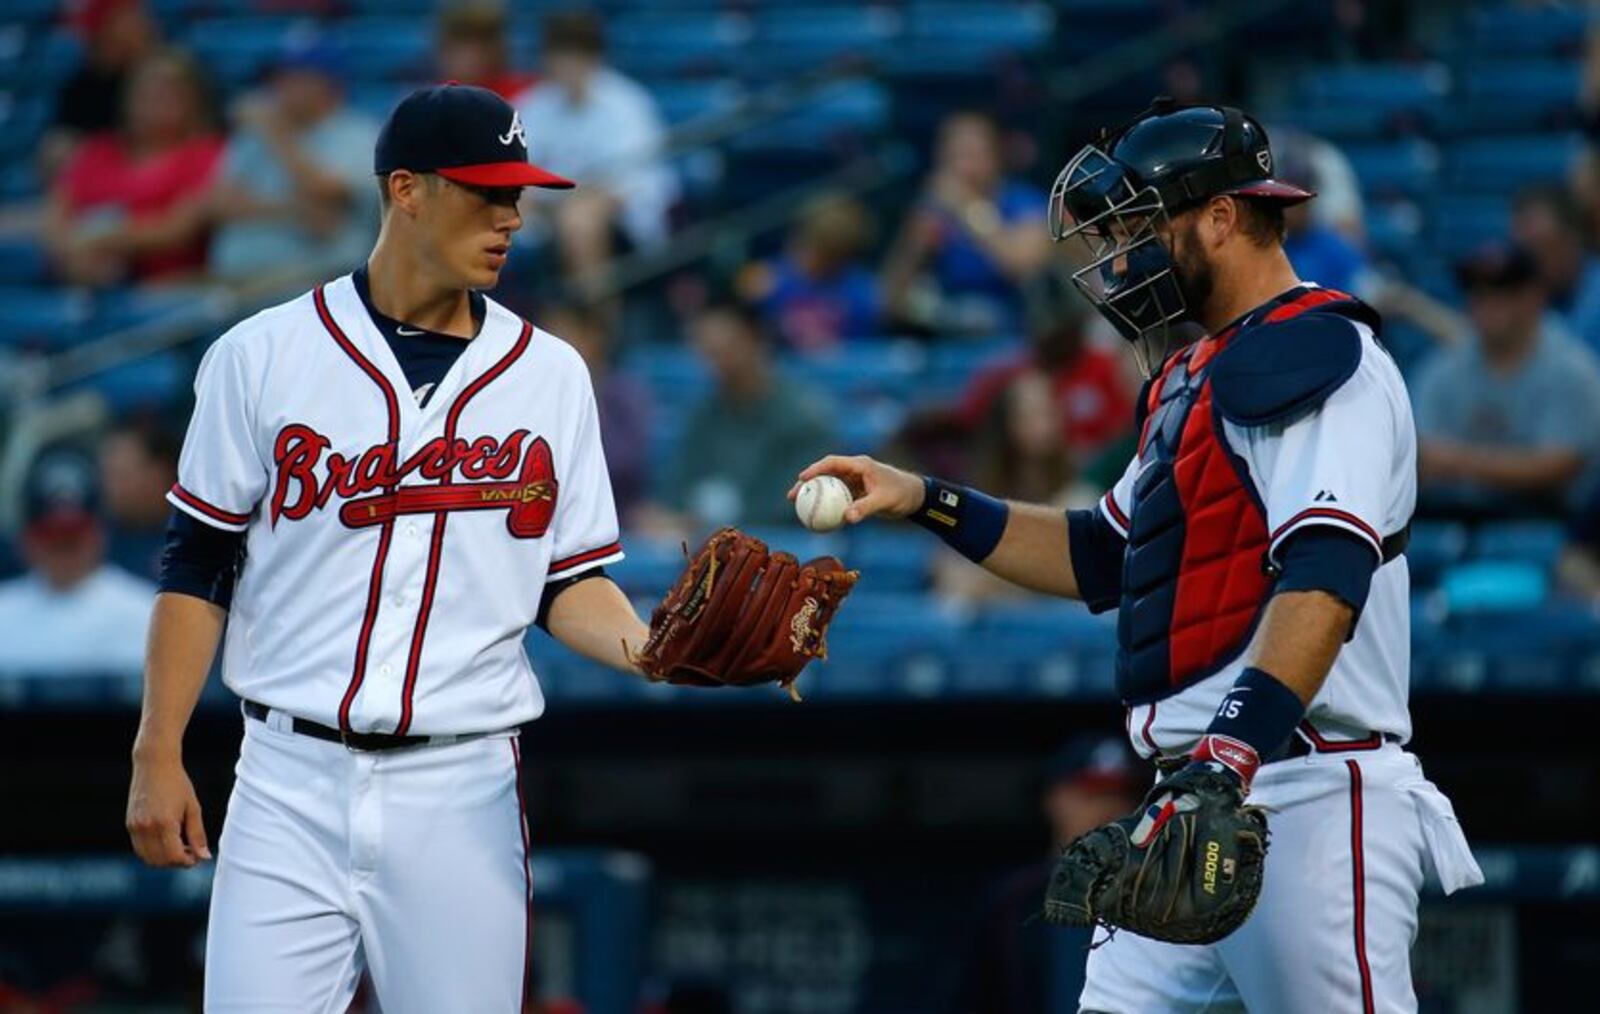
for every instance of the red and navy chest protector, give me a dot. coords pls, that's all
(1194, 573)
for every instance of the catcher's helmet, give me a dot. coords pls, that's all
(1115, 193)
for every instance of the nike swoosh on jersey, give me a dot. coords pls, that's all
(408, 332)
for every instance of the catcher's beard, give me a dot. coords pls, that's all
(1196, 278)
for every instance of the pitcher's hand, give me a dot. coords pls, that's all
(164, 814)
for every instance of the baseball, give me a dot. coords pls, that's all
(821, 503)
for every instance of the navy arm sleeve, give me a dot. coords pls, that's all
(1329, 559)
(555, 588)
(200, 560)
(1096, 550)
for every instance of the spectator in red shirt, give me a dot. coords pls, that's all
(471, 49)
(1091, 387)
(129, 204)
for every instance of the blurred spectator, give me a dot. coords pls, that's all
(72, 613)
(1091, 393)
(624, 402)
(1546, 220)
(138, 465)
(743, 445)
(972, 242)
(588, 122)
(1509, 422)
(295, 190)
(819, 293)
(1017, 963)
(1019, 456)
(1319, 250)
(471, 49)
(130, 203)
(117, 35)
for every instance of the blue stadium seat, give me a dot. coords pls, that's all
(236, 51)
(1535, 542)
(1506, 164)
(680, 101)
(1344, 123)
(385, 48)
(650, 566)
(1393, 227)
(652, 44)
(788, 39)
(1434, 546)
(1457, 224)
(890, 559)
(1391, 87)
(19, 181)
(847, 109)
(43, 318)
(23, 118)
(22, 261)
(376, 100)
(37, 63)
(154, 381)
(1531, 83)
(1396, 167)
(1527, 28)
(859, 370)
(967, 38)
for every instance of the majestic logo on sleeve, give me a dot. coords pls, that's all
(510, 474)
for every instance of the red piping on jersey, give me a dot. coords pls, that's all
(1322, 745)
(1329, 512)
(1150, 720)
(436, 544)
(1300, 304)
(1359, 886)
(213, 512)
(386, 533)
(1116, 512)
(527, 872)
(582, 558)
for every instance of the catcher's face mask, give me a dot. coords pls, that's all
(1130, 276)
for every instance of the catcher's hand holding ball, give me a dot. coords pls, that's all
(821, 502)
(873, 489)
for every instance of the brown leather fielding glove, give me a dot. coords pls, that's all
(740, 615)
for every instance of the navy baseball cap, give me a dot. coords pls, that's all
(463, 133)
(61, 496)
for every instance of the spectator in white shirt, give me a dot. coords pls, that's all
(72, 613)
(592, 124)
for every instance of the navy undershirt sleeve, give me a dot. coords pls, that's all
(1096, 550)
(1325, 558)
(200, 560)
(555, 588)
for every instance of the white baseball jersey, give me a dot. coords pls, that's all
(1350, 464)
(396, 554)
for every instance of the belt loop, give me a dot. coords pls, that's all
(279, 721)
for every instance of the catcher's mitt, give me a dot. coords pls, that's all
(741, 615)
(1185, 869)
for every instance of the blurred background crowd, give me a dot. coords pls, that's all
(800, 228)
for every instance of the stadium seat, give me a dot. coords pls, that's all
(385, 48)
(235, 51)
(35, 318)
(848, 108)
(803, 37)
(890, 559)
(1532, 83)
(154, 381)
(1526, 28)
(1391, 87)
(1504, 164)
(1434, 546)
(1535, 542)
(681, 101)
(22, 261)
(655, 44)
(1457, 224)
(1408, 168)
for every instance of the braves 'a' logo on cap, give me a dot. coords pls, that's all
(516, 130)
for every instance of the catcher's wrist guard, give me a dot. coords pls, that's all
(968, 521)
(1251, 726)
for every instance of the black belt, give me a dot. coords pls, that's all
(365, 741)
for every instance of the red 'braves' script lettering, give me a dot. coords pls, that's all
(309, 476)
